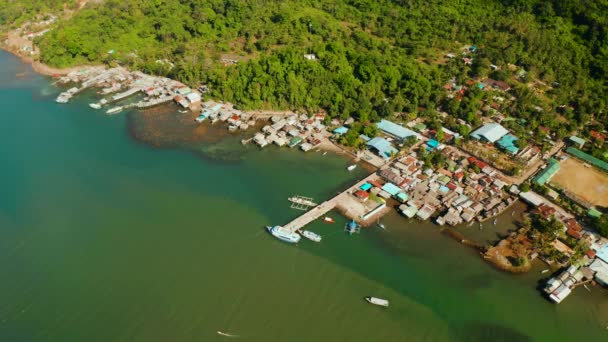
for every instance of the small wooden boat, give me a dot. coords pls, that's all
(328, 219)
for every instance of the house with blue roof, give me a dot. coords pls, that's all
(507, 143)
(382, 147)
(340, 130)
(396, 131)
(432, 144)
(489, 132)
(391, 188)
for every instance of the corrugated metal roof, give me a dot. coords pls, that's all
(603, 253)
(384, 148)
(507, 142)
(546, 174)
(588, 158)
(391, 189)
(490, 132)
(577, 140)
(341, 130)
(365, 186)
(393, 129)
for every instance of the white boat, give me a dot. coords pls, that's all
(284, 234)
(311, 236)
(328, 219)
(303, 201)
(377, 301)
(380, 225)
(114, 110)
(63, 98)
(544, 271)
(495, 221)
(95, 105)
(352, 167)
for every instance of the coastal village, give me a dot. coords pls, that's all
(423, 172)
(464, 190)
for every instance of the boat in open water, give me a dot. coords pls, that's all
(311, 236)
(284, 234)
(352, 167)
(377, 301)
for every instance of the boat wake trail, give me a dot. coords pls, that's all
(227, 334)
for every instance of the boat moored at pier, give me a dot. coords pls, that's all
(311, 236)
(284, 234)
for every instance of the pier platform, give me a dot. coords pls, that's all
(345, 202)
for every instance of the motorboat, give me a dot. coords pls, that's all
(352, 167)
(328, 219)
(311, 236)
(377, 301)
(114, 110)
(284, 234)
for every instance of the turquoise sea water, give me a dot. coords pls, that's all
(105, 238)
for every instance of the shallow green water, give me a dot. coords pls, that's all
(103, 238)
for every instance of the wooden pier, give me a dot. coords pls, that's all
(342, 200)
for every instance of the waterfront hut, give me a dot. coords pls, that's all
(306, 147)
(408, 211)
(295, 141)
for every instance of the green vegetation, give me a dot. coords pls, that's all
(375, 58)
(601, 225)
(14, 12)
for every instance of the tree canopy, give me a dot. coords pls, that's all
(374, 57)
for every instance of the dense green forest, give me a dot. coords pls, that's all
(14, 12)
(374, 57)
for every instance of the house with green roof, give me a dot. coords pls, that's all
(579, 142)
(545, 175)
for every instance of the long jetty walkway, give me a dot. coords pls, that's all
(325, 207)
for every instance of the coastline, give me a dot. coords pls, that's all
(41, 68)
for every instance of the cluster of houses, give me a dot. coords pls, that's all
(293, 130)
(456, 196)
(594, 266)
(235, 118)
